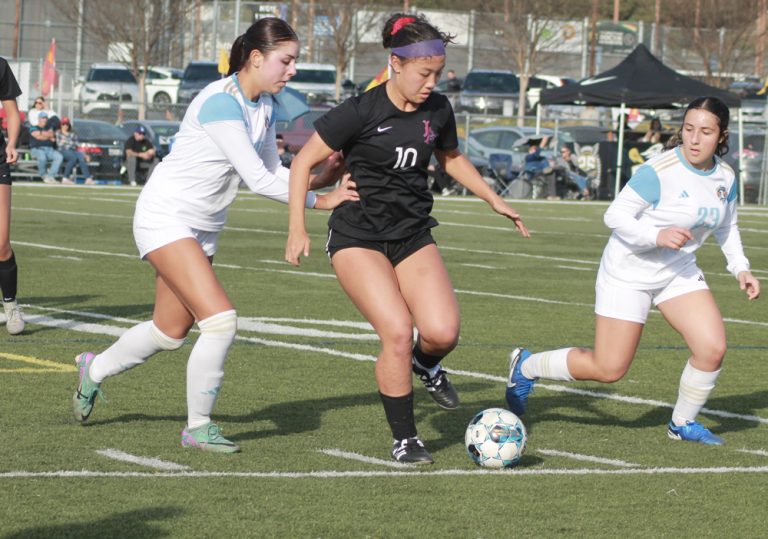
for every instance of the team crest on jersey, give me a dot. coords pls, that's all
(429, 135)
(722, 194)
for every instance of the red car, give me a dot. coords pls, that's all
(297, 133)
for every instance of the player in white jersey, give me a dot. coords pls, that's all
(666, 211)
(227, 135)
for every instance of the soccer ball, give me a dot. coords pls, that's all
(495, 438)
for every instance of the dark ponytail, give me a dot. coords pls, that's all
(405, 28)
(264, 35)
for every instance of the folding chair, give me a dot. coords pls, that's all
(501, 164)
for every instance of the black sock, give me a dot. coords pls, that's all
(8, 278)
(427, 361)
(399, 411)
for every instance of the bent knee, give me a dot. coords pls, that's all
(439, 340)
(224, 323)
(711, 354)
(609, 376)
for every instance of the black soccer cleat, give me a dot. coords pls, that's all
(411, 451)
(439, 387)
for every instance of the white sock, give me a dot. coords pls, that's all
(133, 348)
(695, 387)
(205, 368)
(550, 365)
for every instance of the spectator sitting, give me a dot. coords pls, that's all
(66, 141)
(569, 170)
(653, 135)
(42, 140)
(538, 165)
(139, 151)
(282, 150)
(40, 106)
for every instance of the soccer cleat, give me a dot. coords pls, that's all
(411, 451)
(87, 389)
(439, 387)
(208, 438)
(14, 322)
(518, 386)
(693, 431)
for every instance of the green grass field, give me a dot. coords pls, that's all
(300, 397)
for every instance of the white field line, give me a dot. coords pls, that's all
(332, 276)
(587, 458)
(361, 458)
(576, 268)
(332, 474)
(481, 266)
(277, 329)
(77, 213)
(116, 331)
(116, 454)
(759, 452)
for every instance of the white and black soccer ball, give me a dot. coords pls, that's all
(495, 438)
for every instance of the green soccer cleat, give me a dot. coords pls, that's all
(87, 389)
(208, 438)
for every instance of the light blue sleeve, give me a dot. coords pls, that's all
(220, 107)
(734, 192)
(645, 182)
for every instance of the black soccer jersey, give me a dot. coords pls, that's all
(9, 89)
(387, 150)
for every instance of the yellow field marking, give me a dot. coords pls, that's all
(45, 365)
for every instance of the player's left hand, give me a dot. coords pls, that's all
(334, 168)
(749, 284)
(502, 208)
(345, 192)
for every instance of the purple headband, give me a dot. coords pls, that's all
(420, 49)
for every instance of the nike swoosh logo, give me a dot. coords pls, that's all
(596, 81)
(382, 129)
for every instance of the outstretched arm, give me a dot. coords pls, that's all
(459, 167)
(314, 151)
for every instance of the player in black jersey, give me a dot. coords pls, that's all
(381, 246)
(9, 91)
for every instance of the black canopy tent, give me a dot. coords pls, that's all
(640, 81)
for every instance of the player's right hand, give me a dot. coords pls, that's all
(674, 237)
(296, 246)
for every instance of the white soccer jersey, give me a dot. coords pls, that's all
(212, 152)
(667, 191)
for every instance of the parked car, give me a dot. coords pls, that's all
(754, 145)
(537, 83)
(197, 75)
(297, 132)
(511, 140)
(162, 133)
(107, 86)
(161, 85)
(316, 81)
(103, 144)
(489, 91)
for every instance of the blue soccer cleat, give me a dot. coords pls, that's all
(693, 431)
(518, 386)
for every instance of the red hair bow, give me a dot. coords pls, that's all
(399, 23)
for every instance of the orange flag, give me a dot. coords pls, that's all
(50, 77)
(383, 76)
